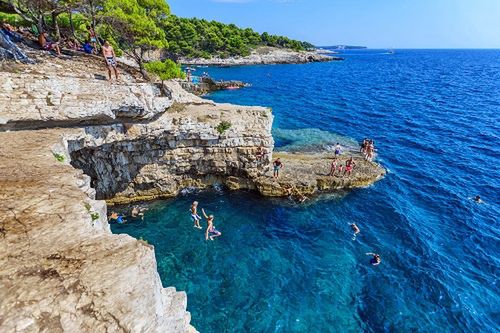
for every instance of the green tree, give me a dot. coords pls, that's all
(165, 70)
(135, 26)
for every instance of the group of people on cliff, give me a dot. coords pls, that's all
(368, 149)
(92, 45)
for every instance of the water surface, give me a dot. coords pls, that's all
(281, 267)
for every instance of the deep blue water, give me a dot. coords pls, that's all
(279, 267)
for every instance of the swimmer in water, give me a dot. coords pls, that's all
(211, 231)
(138, 211)
(376, 260)
(118, 218)
(194, 215)
(356, 230)
(477, 199)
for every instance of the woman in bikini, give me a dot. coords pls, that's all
(211, 231)
(194, 215)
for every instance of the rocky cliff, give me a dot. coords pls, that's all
(264, 56)
(66, 137)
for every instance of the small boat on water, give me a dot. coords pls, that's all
(232, 87)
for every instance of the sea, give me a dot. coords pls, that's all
(280, 266)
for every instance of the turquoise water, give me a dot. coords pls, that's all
(281, 267)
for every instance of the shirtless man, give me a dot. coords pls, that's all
(356, 230)
(349, 165)
(138, 211)
(194, 215)
(48, 44)
(109, 55)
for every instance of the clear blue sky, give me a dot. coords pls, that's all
(373, 23)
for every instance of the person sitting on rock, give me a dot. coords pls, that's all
(211, 232)
(277, 166)
(48, 44)
(194, 215)
(87, 47)
(349, 165)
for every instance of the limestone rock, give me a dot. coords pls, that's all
(265, 56)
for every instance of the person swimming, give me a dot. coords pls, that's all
(211, 232)
(376, 260)
(138, 211)
(118, 218)
(477, 199)
(356, 230)
(194, 215)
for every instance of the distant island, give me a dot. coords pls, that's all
(343, 47)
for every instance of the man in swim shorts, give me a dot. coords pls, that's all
(194, 215)
(109, 55)
(277, 166)
(338, 149)
(349, 165)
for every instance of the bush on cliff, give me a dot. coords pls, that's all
(223, 126)
(165, 70)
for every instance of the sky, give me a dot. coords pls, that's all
(371, 23)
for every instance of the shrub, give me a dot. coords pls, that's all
(94, 216)
(59, 157)
(223, 126)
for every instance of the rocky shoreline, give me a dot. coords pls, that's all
(68, 141)
(264, 56)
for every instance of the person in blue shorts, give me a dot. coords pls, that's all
(118, 218)
(338, 149)
(194, 215)
(376, 260)
(277, 166)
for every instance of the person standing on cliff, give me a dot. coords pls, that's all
(333, 166)
(109, 55)
(211, 232)
(277, 166)
(349, 165)
(338, 149)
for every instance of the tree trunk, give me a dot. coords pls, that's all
(71, 24)
(55, 24)
(139, 58)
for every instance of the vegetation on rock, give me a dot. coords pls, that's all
(137, 26)
(223, 126)
(165, 70)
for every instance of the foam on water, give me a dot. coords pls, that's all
(283, 267)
